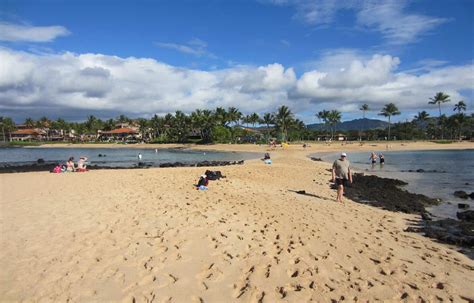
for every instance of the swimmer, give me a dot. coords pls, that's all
(373, 158)
(382, 159)
(139, 157)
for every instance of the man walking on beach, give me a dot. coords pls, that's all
(341, 174)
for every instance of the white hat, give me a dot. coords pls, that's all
(343, 155)
(203, 176)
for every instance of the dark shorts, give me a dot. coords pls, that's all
(342, 182)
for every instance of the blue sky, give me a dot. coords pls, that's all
(147, 57)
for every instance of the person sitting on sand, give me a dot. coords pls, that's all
(341, 174)
(202, 183)
(81, 164)
(266, 156)
(70, 165)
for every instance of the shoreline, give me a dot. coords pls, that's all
(143, 234)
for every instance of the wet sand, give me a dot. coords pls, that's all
(138, 235)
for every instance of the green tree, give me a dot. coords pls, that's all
(268, 118)
(283, 120)
(30, 123)
(7, 126)
(421, 118)
(143, 128)
(333, 118)
(388, 111)
(460, 106)
(439, 98)
(364, 108)
(323, 117)
(254, 119)
(222, 117)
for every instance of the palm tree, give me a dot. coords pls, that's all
(283, 120)
(364, 108)
(333, 117)
(30, 123)
(7, 126)
(323, 116)
(253, 119)
(460, 106)
(422, 116)
(389, 110)
(143, 126)
(246, 120)
(268, 118)
(222, 116)
(157, 124)
(439, 98)
(234, 115)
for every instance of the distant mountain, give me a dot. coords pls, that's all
(357, 124)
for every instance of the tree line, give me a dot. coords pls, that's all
(224, 125)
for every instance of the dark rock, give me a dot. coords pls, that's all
(385, 193)
(471, 195)
(420, 170)
(448, 231)
(40, 161)
(316, 159)
(461, 194)
(467, 183)
(467, 215)
(426, 216)
(463, 205)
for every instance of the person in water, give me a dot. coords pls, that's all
(139, 157)
(381, 159)
(341, 175)
(373, 158)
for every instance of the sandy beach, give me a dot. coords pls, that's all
(149, 236)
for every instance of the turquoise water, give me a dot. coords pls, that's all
(124, 157)
(454, 169)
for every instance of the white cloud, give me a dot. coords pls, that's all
(27, 33)
(195, 47)
(396, 26)
(143, 86)
(389, 17)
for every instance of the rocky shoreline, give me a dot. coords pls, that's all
(387, 194)
(46, 166)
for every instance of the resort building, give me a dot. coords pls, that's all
(28, 134)
(120, 134)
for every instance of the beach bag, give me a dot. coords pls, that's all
(56, 169)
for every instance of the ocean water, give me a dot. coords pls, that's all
(123, 157)
(455, 171)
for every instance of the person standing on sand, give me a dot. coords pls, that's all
(341, 174)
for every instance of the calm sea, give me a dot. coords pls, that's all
(455, 171)
(124, 157)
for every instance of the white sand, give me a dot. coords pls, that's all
(147, 235)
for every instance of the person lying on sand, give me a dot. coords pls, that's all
(341, 174)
